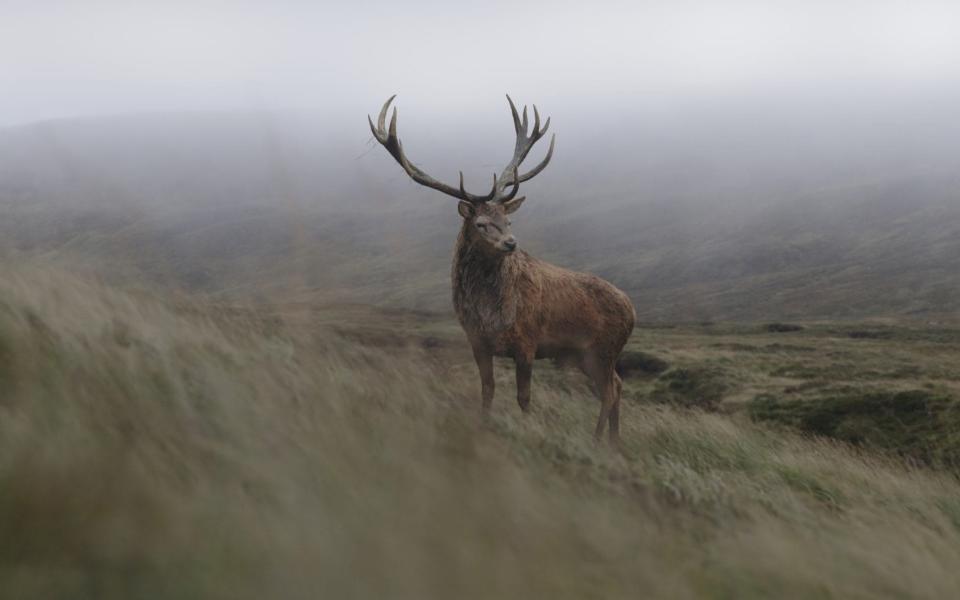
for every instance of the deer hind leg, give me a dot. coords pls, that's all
(615, 410)
(609, 408)
(485, 364)
(606, 385)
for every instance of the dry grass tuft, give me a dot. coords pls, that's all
(156, 449)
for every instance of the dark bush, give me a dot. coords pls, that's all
(431, 342)
(870, 334)
(782, 327)
(633, 363)
(916, 423)
(697, 387)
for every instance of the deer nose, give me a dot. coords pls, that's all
(510, 243)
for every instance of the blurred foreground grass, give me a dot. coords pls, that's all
(162, 448)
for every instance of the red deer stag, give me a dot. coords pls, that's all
(513, 305)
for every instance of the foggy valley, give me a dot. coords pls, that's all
(699, 212)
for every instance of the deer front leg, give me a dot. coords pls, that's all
(524, 363)
(485, 363)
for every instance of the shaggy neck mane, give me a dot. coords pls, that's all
(482, 282)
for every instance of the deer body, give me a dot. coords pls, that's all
(517, 306)
(511, 304)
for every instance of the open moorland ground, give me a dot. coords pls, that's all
(161, 445)
(228, 367)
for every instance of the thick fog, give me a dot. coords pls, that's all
(641, 94)
(68, 58)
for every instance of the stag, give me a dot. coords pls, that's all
(513, 305)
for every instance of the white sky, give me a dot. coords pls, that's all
(62, 59)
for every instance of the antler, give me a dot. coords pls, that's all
(510, 177)
(392, 143)
(525, 142)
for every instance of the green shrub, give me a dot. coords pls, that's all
(702, 387)
(919, 424)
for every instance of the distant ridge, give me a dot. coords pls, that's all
(247, 205)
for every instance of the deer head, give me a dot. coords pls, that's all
(486, 215)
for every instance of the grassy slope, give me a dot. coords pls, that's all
(883, 386)
(162, 448)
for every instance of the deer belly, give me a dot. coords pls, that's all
(551, 351)
(559, 346)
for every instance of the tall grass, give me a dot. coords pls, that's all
(158, 448)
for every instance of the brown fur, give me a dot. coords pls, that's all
(516, 306)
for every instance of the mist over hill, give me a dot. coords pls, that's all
(699, 213)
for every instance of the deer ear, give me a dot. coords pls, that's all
(512, 206)
(465, 209)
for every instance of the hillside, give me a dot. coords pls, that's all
(253, 207)
(154, 445)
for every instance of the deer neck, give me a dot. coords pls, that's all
(482, 278)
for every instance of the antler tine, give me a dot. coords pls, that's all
(393, 124)
(378, 128)
(516, 117)
(524, 143)
(472, 197)
(383, 113)
(543, 163)
(516, 188)
(388, 138)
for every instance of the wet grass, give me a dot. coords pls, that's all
(161, 448)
